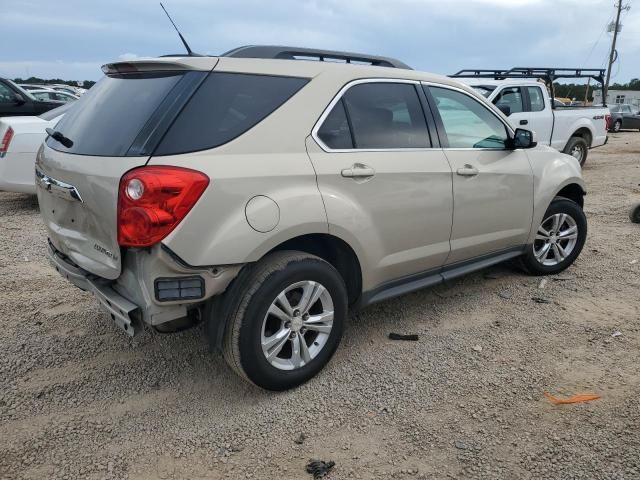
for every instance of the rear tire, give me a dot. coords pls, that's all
(634, 214)
(275, 338)
(577, 147)
(617, 126)
(559, 239)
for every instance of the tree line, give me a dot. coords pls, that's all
(50, 81)
(577, 91)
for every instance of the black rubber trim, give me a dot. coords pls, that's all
(437, 276)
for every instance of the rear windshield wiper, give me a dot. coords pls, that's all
(59, 137)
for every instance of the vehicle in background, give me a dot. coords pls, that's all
(16, 101)
(30, 86)
(53, 95)
(71, 90)
(20, 139)
(624, 116)
(526, 101)
(264, 193)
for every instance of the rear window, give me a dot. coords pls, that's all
(167, 113)
(224, 107)
(56, 112)
(108, 118)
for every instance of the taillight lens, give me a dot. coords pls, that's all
(607, 121)
(153, 200)
(6, 140)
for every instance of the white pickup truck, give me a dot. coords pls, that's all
(527, 103)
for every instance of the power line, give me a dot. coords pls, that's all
(613, 52)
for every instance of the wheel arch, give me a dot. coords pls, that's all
(333, 250)
(572, 191)
(582, 132)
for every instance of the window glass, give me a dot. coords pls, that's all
(6, 94)
(386, 115)
(510, 97)
(113, 112)
(536, 99)
(467, 123)
(335, 132)
(627, 109)
(224, 107)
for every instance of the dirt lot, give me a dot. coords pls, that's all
(80, 399)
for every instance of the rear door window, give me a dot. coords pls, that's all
(224, 107)
(335, 132)
(386, 116)
(536, 99)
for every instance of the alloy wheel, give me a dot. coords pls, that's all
(297, 325)
(577, 152)
(556, 239)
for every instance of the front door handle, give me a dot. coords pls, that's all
(468, 171)
(358, 170)
(524, 122)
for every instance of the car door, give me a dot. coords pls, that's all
(386, 191)
(10, 104)
(492, 185)
(630, 118)
(539, 114)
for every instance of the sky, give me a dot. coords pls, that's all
(71, 39)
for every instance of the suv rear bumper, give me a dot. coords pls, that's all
(124, 313)
(131, 300)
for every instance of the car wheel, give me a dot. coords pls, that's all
(559, 239)
(285, 317)
(617, 126)
(577, 147)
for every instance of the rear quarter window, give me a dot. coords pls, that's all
(224, 107)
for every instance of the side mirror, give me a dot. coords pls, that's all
(506, 109)
(524, 139)
(19, 99)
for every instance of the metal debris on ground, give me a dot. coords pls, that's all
(399, 336)
(540, 300)
(616, 334)
(477, 348)
(319, 468)
(573, 399)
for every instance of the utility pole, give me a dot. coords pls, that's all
(613, 55)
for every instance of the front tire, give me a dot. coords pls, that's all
(577, 147)
(559, 239)
(286, 315)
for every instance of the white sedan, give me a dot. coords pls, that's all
(20, 139)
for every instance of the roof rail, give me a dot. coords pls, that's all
(547, 73)
(298, 53)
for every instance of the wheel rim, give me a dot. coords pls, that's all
(577, 152)
(297, 325)
(556, 239)
(616, 126)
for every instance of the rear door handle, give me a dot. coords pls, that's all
(358, 170)
(468, 171)
(524, 122)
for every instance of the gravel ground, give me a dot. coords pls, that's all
(79, 399)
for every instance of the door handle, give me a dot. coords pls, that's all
(524, 122)
(468, 171)
(358, 170)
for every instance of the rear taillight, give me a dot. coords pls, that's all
(6, 140)
(607, 121)
(153, 200)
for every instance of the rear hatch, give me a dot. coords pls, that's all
(113, 128)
